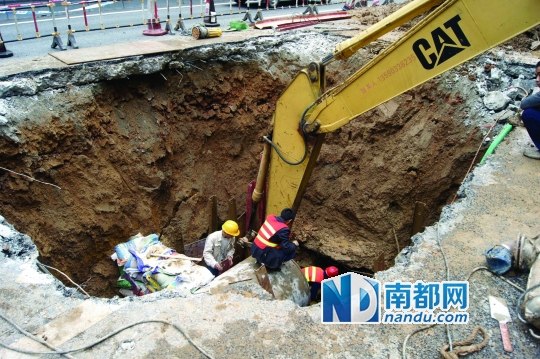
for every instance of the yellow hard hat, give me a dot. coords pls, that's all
(231, 228)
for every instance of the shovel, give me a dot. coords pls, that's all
(499, 311)
(262, 277)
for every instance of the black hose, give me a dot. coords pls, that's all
(280, 154)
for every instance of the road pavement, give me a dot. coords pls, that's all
(115, 23)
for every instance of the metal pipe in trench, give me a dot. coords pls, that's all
(261, 175)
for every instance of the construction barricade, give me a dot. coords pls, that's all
(58, 18)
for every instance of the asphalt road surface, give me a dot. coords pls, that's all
(117, 22)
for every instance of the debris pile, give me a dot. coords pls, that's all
(147, 266)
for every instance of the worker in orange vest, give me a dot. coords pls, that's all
(315, 275)
(273, 245)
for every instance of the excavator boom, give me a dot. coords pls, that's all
(452, 33)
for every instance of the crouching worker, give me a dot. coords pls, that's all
(272, 245)
(315, 275)
(219, 248)
(531, 118)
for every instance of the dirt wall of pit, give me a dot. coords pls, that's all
(140, 145)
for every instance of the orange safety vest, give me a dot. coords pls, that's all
(267, 231)
(313, 274)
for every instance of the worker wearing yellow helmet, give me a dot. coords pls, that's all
(219, 248)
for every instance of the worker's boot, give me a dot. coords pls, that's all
(533, 153)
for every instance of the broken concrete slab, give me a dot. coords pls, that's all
(496, 100)
(64, 327)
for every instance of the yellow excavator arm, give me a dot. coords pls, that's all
(452, 33)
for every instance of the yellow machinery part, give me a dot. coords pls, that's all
(283, 179)
(454, 32)
(203, 32)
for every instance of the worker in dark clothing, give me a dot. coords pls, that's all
(531, 118)
(272, 246)
(315, 275)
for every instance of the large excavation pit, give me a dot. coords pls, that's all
(140, 145)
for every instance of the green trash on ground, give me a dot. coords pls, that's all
(122, 283)
(238, 25)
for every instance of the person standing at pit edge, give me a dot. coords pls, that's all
(273, 246)
(531, 118)
(219, 248)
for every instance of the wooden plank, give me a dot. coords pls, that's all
(264, 281)
(275, 22)
(213, 224)
(115, 51)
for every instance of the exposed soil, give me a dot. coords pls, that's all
(145, 153)
(376, 170)
(141, 155)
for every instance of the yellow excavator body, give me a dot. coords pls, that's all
(452, 32)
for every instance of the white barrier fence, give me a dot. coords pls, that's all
(26, 21)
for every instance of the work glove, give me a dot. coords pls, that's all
(218, 267)
(230, 261)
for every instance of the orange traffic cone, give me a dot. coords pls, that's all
(154, 27)
(3, 51)
(210, 17)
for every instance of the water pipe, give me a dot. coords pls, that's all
(496, 141)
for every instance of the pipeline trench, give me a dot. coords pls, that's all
(142, 151)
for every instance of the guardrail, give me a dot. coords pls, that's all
(28, 21)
